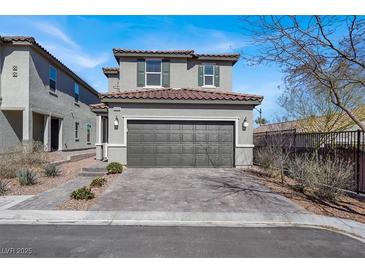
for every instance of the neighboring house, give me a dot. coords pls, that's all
(335, 122)
(42, 100)
(174, 109)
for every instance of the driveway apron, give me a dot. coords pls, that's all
(192, 190)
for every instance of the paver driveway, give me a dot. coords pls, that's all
(192, 189)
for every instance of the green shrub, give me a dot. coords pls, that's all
(114, 167)
(3, 187)
(98, 182)
(51, 170)
(27, 177)
(83, 193)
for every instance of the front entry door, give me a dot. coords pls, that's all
(55, 129)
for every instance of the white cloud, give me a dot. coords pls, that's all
(54, 31)
(76, 56)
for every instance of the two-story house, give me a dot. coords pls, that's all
(174, 109)
(42, 100)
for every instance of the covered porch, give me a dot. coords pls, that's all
(102, 126)
(21, 125)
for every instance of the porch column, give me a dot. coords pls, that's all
(27, 125)
(47, 133)
(99, 145)
(60, 134)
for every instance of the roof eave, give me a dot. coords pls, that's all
(151, 55)
(99, 110)
(171, 101)
(210, 58)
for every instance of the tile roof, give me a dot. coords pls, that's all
(31, 40)
(111, 70)
(133, 51)
(181, 94)
(226, 55)
(187, 53)
(100, 106)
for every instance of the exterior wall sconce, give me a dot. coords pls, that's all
(116, 123)
(245, 124)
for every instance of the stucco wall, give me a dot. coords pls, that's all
(116, 146)
(14, 90)
(10, 129)
(113, 83)
(183, 74)
(62, 103)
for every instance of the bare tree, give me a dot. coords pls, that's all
(314, 111)
(321, 55)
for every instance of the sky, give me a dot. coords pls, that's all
(85, 43)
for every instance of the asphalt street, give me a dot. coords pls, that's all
(148, 241)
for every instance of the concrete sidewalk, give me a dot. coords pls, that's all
(154, 218)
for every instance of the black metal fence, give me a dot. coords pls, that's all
(347, 145)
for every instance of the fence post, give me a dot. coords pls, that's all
(358, 161)
(295, 143)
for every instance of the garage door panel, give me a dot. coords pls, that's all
(148, 149)
(180, 144)
(187, 137)
(200, 137)
(163, 149)
(162, 161)
(148, 137)
(188, 149)
(213, 137)
(226, 137)
(187, 127)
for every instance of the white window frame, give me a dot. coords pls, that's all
(49, 78)
(77, 131)
(145, 73)
(204, 85)
(78, 95)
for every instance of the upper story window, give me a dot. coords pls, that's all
(76, 92)
(208, 76)
(153, 73)
(52, 78)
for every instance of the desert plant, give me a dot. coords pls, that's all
(3, 187)
(27, 177)
(51, 170)
(273, 159)
(324, 177)
(30, 154)
(83, 193)
(114, 167)
(332, 176)
(98, 182)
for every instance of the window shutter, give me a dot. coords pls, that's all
(166, 73)
(140, 73)
(200, 76)
(216, 76)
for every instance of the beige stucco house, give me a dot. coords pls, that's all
(174, 109)
(42, 100)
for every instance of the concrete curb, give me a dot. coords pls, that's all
(199, 219)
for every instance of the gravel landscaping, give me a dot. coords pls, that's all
(69, 171)
(72, 204)
(345, 207)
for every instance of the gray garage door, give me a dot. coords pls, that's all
(180, 144)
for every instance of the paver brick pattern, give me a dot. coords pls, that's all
(192, 190)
